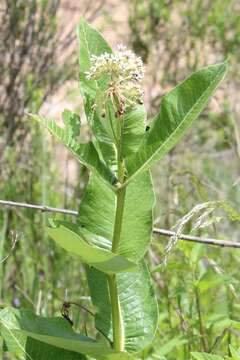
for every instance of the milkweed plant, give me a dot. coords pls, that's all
(114, 228)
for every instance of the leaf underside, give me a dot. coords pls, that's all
(77, 241)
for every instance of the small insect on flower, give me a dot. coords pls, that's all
(125, 72)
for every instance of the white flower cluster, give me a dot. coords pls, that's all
(125, 71)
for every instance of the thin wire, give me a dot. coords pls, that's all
(157, 231)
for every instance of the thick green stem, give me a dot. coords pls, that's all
(118, 329)
(118, 219)
(117, 321)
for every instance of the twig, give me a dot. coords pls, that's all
(164, 232)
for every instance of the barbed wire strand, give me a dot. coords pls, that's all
(157, 231)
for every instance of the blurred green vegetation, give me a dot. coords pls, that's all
(198, 289)
(36, 272)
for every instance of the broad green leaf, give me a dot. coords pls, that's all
(138, 306)
(90, 42)
(81, 243)
(27, 347)
(23, 347)
(179, 108)
(97, 213)
(39, 351)
(134, 124)
(205, 356)
(52, 331)
(85, 153)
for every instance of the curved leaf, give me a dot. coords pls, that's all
(85, 153)
(37, 350)
(52, 331)
(179, 108)
(26, 348)
(76, 241)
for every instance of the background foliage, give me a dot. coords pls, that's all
(198, 289)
